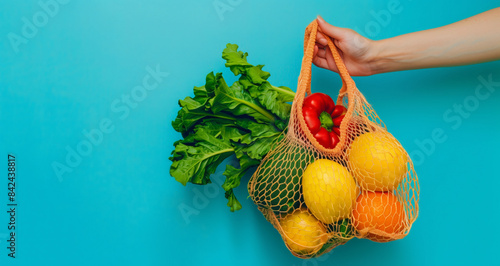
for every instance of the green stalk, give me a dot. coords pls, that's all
(326, 121)
(211, 155)
(216, 116)
(255, 107)
(291, 93)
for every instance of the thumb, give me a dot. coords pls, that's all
(330, 30)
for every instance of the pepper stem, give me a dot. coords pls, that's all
(326, 121)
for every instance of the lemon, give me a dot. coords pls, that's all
(329, 190)
(378, 161)
(302, 232)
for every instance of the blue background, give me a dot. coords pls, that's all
(119, 205)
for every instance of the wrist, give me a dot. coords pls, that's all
(400, 53)
(378, 59)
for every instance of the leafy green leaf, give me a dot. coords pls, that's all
(246, 119)
(235, 60)
(233, 174)
(254, 79)
(232, 203)
(189, 115)
(204, 93)
(196, 158)
(234, 100)
(274, 99)
(256, 75)
(256, 131)
(233, 177)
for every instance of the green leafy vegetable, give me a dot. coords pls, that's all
(244, 120)
(234, 100)
(254, 80)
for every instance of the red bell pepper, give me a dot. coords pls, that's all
(323, 118)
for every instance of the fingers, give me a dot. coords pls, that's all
(319, 52)
(330, 30)
(329, 59)
(322, 43)
(323, 58)
(321, 39)
(322, 55)
(323, 63)
(320, 62)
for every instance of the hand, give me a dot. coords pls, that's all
(354, 49)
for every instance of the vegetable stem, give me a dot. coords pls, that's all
(216, 116)
(326, 121)
(291, 93)
(255, 107)
(221, 151)
(211, 155)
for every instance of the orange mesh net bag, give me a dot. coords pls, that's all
(351, 178)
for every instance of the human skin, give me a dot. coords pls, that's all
(473, 40)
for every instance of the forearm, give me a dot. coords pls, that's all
(472, 40)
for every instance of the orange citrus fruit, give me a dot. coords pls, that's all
(329, 190)
(379, 216)
(302, 232)
(377, 161)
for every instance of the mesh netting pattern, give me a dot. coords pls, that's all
(319, 198)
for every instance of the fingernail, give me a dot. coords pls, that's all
(320, 18)
(323, 41)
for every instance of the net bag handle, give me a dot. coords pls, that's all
(304, 88)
